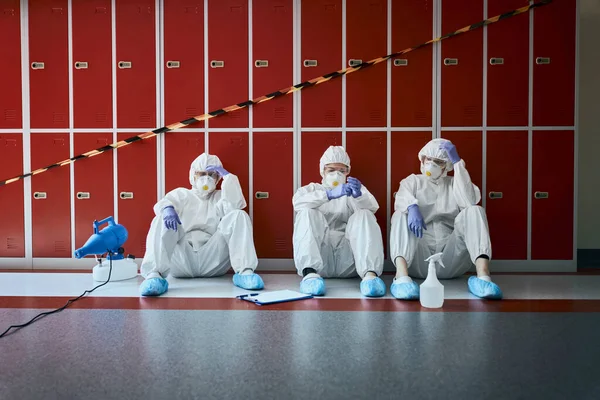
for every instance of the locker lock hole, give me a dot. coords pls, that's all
(450, 61)
(37, 65)
(261, 63)
(124, 64)
(310, 63)
(83, 195)
(262, 195)
(81, 65)
(217, 64)
(40, 195)
(400, 62)
(126, 195)
(173, 64)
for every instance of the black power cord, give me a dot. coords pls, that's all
(39, 316)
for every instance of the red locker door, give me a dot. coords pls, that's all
(366, 91)
(554, 64)
(313, 145)
(321, 52)
(470, 148)
(49, 64)
(506, 204)
(368, 156)
(51, 206)
(405, 156)
(553, 192)
(136, 166)
(462, 73)
(508, 66)
(184, 69)
(92, 67)
(136, 64)
(228, 60)
(12, 230)
(94, 190)
(412, 24)
(272, 41)
(273, 174)
(10, 65)
(232, 149)
(181, 148)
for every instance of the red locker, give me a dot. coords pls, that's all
(313, 145)
(554, 28)
(462, 73)
(405, 156)
(136, 64)
(508, 66)
(470, 148)
(552, 197)
(232, 150)
(12, 230)
(49, 64)
(51, 206)
(137, 189)
(181, 148)
(321, 42)
(366, 91)
(368, 156)
(506, 204)
(272, 41)
(10, 66)
(273, 190)
(412, 74)
(228, 61)
(92, 65)
(184, 69)
(94, 190)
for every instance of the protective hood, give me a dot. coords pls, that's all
(200, 164)
(334, 154)
(432, 149)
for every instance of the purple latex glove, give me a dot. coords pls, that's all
(220, 170)
(451, 151)
(416, 224)
(339, 191)
(170, 218)
(355, 186)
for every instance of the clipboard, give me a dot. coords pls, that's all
(277, 296)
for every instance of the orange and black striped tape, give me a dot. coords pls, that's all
(282, 92)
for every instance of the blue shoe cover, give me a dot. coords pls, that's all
(405, 291)
(154, 287)
(484, 289)
(373, 287)
(248, 282)
(313, 286)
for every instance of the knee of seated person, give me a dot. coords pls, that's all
(309, 213)
(473, 209)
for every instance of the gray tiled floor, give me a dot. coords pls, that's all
(151, 354)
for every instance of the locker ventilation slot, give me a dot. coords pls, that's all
(279, 113)
(400, 62)
(515, 111)
(58, 117)
(235, 114)
(217, 64)
(9, 11)
(145, 118)
(12, 243)
(375, 115)
(261, 63)
(310, 63)
(191, 112)
(60, 246)
(470, 111)
(10, 115)
(101, 117)
(330, 115)
(281, 244)
(81, 65)
(420, 115)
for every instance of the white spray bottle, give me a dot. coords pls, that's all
(432, 291)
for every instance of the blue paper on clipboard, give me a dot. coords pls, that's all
(277, 296)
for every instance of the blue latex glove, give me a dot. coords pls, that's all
(220, 170)
(451, 151)
(355, 187)
(416, 224)
(171, 218)
(339, 191)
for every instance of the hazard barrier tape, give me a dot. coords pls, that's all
(279, 93)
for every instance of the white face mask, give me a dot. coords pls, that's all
(432, 170)
(334, 179)
(205, 185)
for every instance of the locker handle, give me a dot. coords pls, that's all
(542, 60)
(217, 64)
(496, 195)
(83, 195)
(125, 64)
(496, 61)
(81, 65)
(261, 63)
(541, 195)
(40, 195)
(400, 62)
(450, 61)
(354, 62)
(261, 195)
(310, 63)
(37, 65)
(126, 195)
(173, 64)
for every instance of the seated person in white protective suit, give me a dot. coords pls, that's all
(436, 213)
(336, 234)
(199, 232)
